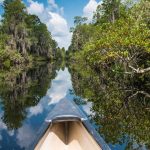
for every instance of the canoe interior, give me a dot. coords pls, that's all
(67, 136)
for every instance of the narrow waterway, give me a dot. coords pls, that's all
(20, 117)
(26, 101)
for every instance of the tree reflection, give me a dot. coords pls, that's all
(121, 106)
(22, 89)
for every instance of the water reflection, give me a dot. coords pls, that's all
(20, 94)
(121, 115)
(120, 105)
(25, 91)
(25, 105)
(60, 86)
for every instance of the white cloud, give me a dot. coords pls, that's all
(53, 7)
(90, 8)
(52, 17)
(2, 124)
(53, 4)
(11, 132)
(39, 109)
(62, 10)
(35, 8)
(59, 29)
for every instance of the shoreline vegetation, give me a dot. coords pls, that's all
(109, 62)
(116, 40)
(24, 38)
(115, 47)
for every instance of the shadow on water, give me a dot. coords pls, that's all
(119, 105)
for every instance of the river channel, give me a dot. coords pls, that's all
(26, 98)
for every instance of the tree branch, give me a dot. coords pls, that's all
(139, 92)
(139, 71)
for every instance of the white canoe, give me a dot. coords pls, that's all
(67, 128)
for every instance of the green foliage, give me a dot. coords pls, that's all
(6, 63)
(111, 69)
(79, 20)
(22, 34)
(109, 11)
(122, 43)
(60, 53)
(14, 11)
(118, 42)
(22, 88)
(81, 35)
(120, 103)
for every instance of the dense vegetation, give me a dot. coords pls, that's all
(110, 67)
(117, 40)
(23, 36)
(109, 62)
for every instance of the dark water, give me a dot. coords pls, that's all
(120, 115)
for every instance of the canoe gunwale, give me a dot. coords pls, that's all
(65, 110)
(65, 118)
(45, 126)
(91, 130)
(100, 141)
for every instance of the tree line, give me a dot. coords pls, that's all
(23, 37)
(117, 39)
(109, 61)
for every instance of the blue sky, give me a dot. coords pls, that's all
(59, 15)
(72, 8)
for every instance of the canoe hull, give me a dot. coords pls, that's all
(67, 136)
(68, 114)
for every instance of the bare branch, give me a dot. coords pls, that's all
(139, 92)
(139, 71)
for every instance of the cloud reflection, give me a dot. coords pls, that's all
(33, 111)
(60, 86)
(25, 135)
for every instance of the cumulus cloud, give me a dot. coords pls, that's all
(2, 125)
(52, 16)
(53, 4)
(35, 8)
(90, 8)
(59, 28)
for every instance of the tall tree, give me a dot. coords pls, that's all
(78, 20)
(26, 34)
(108, 11)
